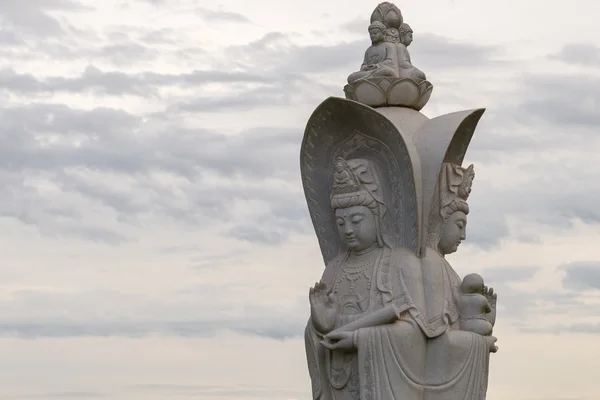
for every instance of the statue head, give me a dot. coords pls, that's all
(448, 218)
(406, 34)
(472, 283)
(377, 31)
(392, 35)
(357, 201)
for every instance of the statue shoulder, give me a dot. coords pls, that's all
(405, 257)
(332, 268)
(389, 46)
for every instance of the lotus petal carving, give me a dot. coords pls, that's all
(385, 92)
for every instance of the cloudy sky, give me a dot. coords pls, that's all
(155, 241)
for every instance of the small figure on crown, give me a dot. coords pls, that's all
(387, 76)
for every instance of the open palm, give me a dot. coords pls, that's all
(323, 308)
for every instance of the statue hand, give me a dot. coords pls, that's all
(339, 341)
(490, 296)
(323, 308)
(491, 341)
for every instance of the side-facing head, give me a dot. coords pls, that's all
(357, 203)
(454, 231)
(448, 220)
(472, 283)
(406, 34)
(377, 31)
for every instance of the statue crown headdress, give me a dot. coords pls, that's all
(454, 188)
(355, 182)
(345, 180)
(464, 189)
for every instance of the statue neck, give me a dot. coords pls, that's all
(437, 250)
(369, 249)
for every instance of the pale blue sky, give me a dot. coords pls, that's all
(154, 237)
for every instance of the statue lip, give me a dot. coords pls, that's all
(351, 239)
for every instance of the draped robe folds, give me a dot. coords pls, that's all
(421, 356)
(380, 60)
(405, 67)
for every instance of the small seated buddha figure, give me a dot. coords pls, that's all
(380, 58)
(473, 306)
(406, 36)
(406, 69)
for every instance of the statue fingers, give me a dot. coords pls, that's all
(332, 336)
(331, 298)
(328, 345)
(319, 294)
(318, 289)
(311, 296)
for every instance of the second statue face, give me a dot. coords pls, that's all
(454, 232)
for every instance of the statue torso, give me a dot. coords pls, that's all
(354, 281)
(441, 285)
(377, 53)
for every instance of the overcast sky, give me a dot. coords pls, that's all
(155, 241)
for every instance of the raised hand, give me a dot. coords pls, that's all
(491, 296)
(323, 308)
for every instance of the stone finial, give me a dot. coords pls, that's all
(387, 76)
(389, 14)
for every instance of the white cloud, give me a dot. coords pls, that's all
(154, 235)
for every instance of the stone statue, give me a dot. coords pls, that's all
(387, 66)
(474, 306)
(406, 34)
(399, 38)
(380, 58)
(387, 194)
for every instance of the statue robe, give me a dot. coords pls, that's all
(421, 356)
(380, 60)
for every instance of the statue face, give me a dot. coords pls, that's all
(356, 226)
(454, 232)
(408, 38)
(376, 35)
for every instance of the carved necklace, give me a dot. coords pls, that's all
(353, 272)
